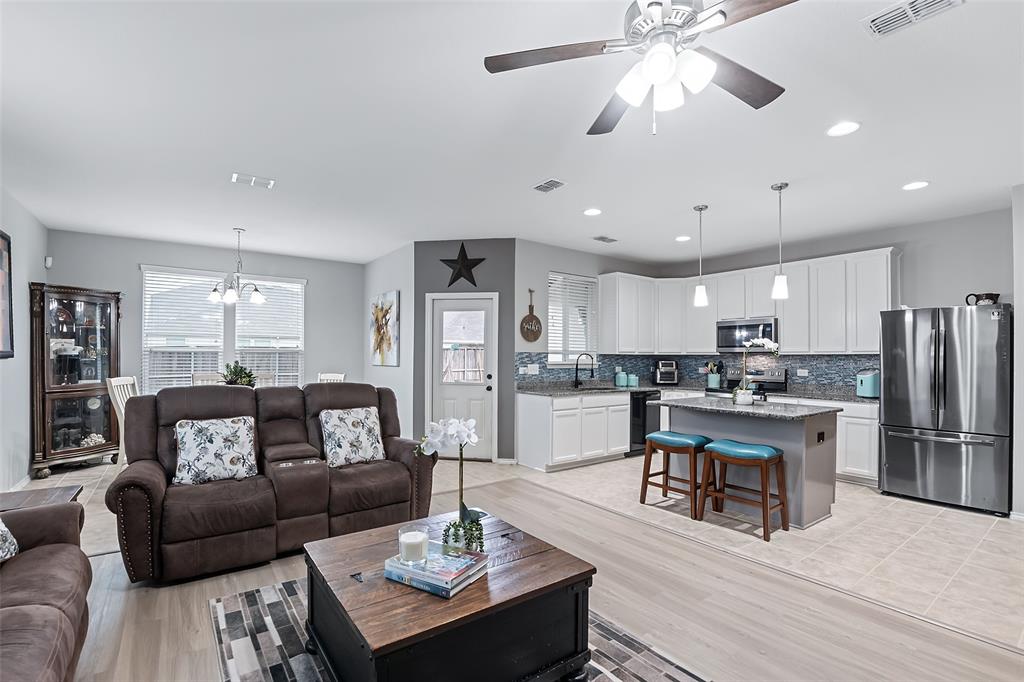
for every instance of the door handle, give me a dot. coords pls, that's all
(490, 388)
(939, 439)
(935, 370)
(940, 375)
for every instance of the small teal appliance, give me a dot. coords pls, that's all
(621, 380)
(868, 383)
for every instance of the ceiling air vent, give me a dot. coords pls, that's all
(548, 185)
(905, 14)
(605, 240)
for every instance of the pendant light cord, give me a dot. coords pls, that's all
(778, 187)
(700, 208)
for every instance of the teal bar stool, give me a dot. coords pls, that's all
(727, 452)
(670, 443)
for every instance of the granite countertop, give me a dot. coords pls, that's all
(759, 409)
(844, 394)
(558, 389)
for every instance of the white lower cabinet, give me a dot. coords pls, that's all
(856, 437)
(554, 433)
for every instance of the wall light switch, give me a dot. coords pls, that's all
(533, 369)
(522, 369)
(803, 373)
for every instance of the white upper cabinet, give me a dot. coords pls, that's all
(759, 292)
(627, 313)
(795, 311)
(700, 333)
(828, 306)
(732, 292)
(868, 291)
(670, 313)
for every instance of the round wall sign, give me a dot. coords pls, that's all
(530, 326)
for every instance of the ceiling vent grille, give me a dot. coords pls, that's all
(253, 180)
(605, 240)
(548, 185)
(905, 14)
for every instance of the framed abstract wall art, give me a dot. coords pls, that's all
(6, 298)
(384, 329)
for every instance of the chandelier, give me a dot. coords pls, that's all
(232, 285)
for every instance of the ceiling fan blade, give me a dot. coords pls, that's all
(741, 82)
(544, 55)
(609, 116)
(740, 10)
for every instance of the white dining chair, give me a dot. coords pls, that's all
(120, 389)
(329, 378)
(265, 379)
(206, 378)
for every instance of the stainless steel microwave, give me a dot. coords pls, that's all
(732, 334)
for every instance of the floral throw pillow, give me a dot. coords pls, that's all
(215, 450)
(351, 436)
(8, 545)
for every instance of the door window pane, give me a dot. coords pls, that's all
(464, 358)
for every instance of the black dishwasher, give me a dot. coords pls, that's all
(643, 419)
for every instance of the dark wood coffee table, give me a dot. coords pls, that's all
(526, 619)
(39, 496)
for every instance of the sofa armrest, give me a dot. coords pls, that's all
(137, 497)
(421, 469)
(48, 524)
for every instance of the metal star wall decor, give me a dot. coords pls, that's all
(462, 266)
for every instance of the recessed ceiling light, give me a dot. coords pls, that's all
(682, 238)
(592, 211)
(916, 184)
(843, 128)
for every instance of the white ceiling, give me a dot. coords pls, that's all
(381, 126)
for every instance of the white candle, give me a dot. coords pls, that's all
(412, 546)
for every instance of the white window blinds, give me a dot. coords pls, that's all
(269, 338)
(182, 332)
(572, 316)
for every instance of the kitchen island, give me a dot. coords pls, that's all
(806, 434)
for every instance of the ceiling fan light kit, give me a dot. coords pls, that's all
(661, 33)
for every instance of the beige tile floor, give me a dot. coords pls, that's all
(954, 567)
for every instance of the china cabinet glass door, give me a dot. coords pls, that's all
(78, 422)
(79, 336)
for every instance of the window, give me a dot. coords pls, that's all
(183, 332)
(463, 359)
(572, 316)
(269, 336)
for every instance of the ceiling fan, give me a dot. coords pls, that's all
(662, 32)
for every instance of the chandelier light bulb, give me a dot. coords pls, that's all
(231, 296)
(668, 96)
(659, 64)
(257, 297)
(633, 88)
(214, 296)
(694, 70)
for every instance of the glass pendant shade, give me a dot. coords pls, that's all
(659, 64)
(668, 96)
(257, 297)
(700, 296)
(780, 288)
(633, 88)
(214, 296)
(231, 296)
(694, 70)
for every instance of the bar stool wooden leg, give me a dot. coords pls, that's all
(693, 482)
(648, 451)
(664, 472)
(704, 478)
(718, 503)
(766, 502)
(780, 475)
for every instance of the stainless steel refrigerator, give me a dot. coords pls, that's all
(946, 403)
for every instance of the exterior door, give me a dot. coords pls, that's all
(974, 369)
(464, 368)
(909, 340)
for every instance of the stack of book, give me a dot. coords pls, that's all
(446, 572)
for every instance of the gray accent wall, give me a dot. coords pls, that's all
(394, 271)
(496, 274)
(1017, 504)
(334, 307)
(943, 260)
(28, 248)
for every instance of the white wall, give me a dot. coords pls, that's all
(28, 248)
(334, 306)
(395, 271)
(942, 262)
(1018, 352)
(533, 263)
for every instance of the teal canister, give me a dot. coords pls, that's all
(633, 380)
(621, 380)
(868, 383)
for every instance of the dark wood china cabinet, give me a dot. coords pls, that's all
(75, 349)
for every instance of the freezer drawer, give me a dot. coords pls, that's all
(964, 469)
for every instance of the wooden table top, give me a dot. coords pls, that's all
(39, 496)
(391, 615)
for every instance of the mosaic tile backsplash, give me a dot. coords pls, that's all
(826, 370)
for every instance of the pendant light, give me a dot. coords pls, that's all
(232, 285)
(780, 287)
(700, 292)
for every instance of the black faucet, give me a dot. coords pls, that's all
(576, 380)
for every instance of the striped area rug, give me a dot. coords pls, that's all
(261, 636)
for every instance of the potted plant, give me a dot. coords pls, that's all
(714, 378)
(467, 532)
(742, 395)
(238, 375)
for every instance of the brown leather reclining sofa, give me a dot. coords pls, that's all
(169, 532)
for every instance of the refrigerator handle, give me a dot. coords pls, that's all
(940, 375)
(934, 357)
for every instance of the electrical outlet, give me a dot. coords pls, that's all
(522, 369)
(803, 373)
(533, 369)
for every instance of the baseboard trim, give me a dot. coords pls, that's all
(20, 484)
(1017, 515)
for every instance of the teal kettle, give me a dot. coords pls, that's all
(868, 383)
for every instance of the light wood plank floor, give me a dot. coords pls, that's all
(719, 615)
